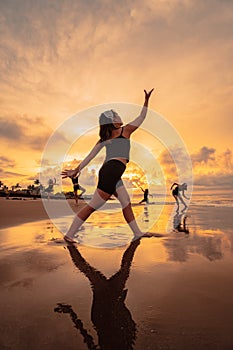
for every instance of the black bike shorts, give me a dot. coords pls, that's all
(110, 176)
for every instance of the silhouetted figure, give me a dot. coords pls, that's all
(179, 223)
(178, 192)
(115, 138)
(76, 187)
(145, 196)
(49, 189)
(111, 318)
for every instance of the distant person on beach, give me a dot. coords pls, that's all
(116, 139)
(145, 196)
(110, 315)
(7, 192)
(49, 189)
(178, 192)
(76, 187)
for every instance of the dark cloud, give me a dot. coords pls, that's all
(227, 159)
(204, 155)
(218, 165)
(27, 132)
(10, 129)
(216, 181)
(9, 173)
(38, 142)
(166, 158)
(209, 157)
(6, 162)
(176, 162)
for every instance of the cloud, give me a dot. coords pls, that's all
(213, 169)
(61, 53)
(176, 163)
(58, 56)
(227, 158)
(80, 33)
(27, 132)
(6, 162)
(210, 167)
(205, 154)
(217, 181)
(5, 174)
(9, 129)
(209, 158)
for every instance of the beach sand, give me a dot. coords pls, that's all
(19, 211)
(172, 292)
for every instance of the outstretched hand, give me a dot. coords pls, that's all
(147, 94)
(69, 173)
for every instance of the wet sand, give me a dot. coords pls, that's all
(173, 292)
(20, 211)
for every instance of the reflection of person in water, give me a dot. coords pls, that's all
(179, 223)
(178, 192)
(77, 187)
(111, 318)
(145, 196)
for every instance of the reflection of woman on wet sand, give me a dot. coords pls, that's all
(177, 191)
(116, 139)
(111, 318)
(179, 224)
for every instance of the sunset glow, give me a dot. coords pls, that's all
(61, 58)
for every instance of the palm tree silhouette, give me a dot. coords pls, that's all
(15, 186)
(111, 318)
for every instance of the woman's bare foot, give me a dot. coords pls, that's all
(142, 235)
(69, 239)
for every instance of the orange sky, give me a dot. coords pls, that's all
(58, 58)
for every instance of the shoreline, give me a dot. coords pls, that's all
(19, 212)
(26, 210)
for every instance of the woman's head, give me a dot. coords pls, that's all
(108, 121)
(184, 186)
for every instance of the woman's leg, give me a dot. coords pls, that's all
(177, 202)
(82, 189)
(76, 196)
(99, 198)
(182, 201)
(123, 196)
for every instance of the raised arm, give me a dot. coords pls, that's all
(174, 185)
(134, 124)
(183, 194)
(95, 150)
